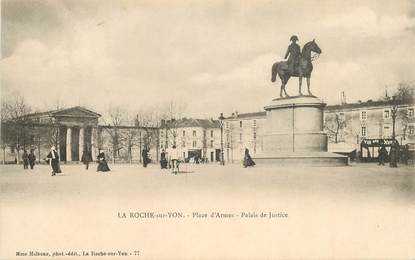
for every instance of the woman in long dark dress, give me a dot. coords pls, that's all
(102, 163)
(86, 158)
(54, 161)
(247, 159)
(163, 160)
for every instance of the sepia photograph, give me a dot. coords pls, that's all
(220, 129)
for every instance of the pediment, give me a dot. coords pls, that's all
(76, 112)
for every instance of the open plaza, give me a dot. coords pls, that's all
(136, 208)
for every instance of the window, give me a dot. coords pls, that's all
(386, 114)
(227, 125)
(240, 124)
(342, 116)
(194, 132)
(194, 144)
(211, 133)
(240, 137)
(254, 123)
(254, 135)
(183, 143)
(211, 143)
(184, 133)
(363, 115)
(410, 112)
(411, 130)
(364, 131)
(386, 131)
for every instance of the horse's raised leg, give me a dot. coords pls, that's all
(300, 82)
(285, 92)
(308, 86)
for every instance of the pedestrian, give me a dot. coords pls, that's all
(248, 162)
(25, 158)
(393, 154)
(102, 163)
(53, 159)
(144, 154)
(174, 158)
(405, 154)
(86, 158)
(32, 159)
(382, 155)
(163, 160)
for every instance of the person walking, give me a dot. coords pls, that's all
(163, 159)
(248, 162)
(144, 154)
(382, 155)
(86, 158)
(25, 158)
(174, 158)
(32, 159)
(102, 163)
(393, 154)
(53, 159)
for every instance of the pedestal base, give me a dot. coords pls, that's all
(294, 134)
(301, 159)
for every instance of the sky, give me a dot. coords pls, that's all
(210, 56)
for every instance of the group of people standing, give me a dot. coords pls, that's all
(170, 159)
(29, 159)
(395, 154)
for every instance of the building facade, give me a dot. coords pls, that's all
(243, 131)
(351, 123)
(346, 124)
(194, 138)
(73, 131)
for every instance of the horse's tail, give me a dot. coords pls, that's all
(274, 71)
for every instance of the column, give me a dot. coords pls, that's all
(68, 144)
(93, 136)
(81, 143)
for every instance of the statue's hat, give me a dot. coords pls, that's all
(294, 38)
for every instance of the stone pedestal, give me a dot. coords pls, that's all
(293, 133)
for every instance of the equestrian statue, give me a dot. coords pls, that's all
(299, 64)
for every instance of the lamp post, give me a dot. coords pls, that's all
(221, 118)
(393, 111)
(393, 157)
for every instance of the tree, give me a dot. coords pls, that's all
(335, 127)
(116, 117)
(15, 123)
(170, 115)
(147, 121)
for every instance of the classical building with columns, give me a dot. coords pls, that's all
(73, 131)
(76, 130)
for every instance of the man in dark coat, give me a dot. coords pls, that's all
(54, 161)
(293, 54)
(393, 154)
(144, 154)
(86, 158)
(163, 159)
(382, 155)
(25, 158)
(32, 159)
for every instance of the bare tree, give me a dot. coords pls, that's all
(116, 117)
(15, 123)
(335, 127)
(171, 115)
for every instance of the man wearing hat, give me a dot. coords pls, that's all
(294, 52)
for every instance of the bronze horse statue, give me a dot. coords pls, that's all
(304, 68)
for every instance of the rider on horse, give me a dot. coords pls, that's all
(294, 52)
